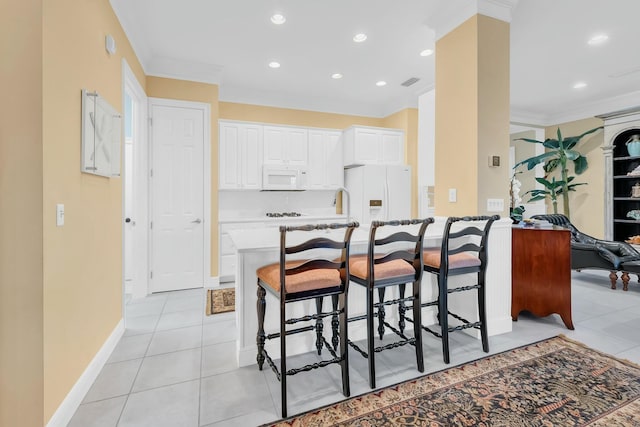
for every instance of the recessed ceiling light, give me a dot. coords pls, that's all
(274, 64)
(278, 19)
(579, 85)
(381, 83)
(359, 38)
(598, 39)
(426, 52)
(336, 76)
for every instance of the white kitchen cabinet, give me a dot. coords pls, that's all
(240, 163)
(285, 146)
(325, 171)
(372, 146)
(227, 253)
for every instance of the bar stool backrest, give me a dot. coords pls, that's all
(470, 238)
(315, 246)
(401, 244)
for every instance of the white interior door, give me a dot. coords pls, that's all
(177, 191)
(135, 188)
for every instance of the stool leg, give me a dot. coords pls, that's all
(482, 312)
(402, 308)
(370, 344)
(444, 315)
(260, 337)
(335, 323)
(319, 325)
(344, 348)
(417, 323)
(283, 360)
(381, 312)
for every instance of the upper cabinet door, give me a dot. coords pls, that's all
(334, 177)
(392, 148)
(297, 147)
(372, 146)
(240, 163)
(251, 164)
(325, 171)
(229, 162)
(285, 146)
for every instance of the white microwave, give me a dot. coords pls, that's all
(283, 178)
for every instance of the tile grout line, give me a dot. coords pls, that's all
(141, 363)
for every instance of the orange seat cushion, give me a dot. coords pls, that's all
(358, 266)
(306, 281)
(431, 257)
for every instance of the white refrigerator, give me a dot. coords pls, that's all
(379, 192)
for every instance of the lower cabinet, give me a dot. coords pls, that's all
(227, 267)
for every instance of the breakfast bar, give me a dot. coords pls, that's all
(258, 247)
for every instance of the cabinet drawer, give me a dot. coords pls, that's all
(228, 266)
(226, 245)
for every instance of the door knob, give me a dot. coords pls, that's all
(196, 221)
(127, 220)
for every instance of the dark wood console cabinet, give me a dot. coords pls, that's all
(541, 272)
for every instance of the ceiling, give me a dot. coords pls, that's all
(232, 42)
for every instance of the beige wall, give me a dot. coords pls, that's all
(158, 87)
(82, 260)
(587, 202)
(493, 112)
(407, 120)
(457, 120)
(472, 116)
(21, 326)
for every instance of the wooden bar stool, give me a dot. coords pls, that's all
(463, 251)
(394, 260)
(306, 279)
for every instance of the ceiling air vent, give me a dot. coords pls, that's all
(410, 81)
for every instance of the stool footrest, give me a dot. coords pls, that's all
(463, 288)
(305, 368)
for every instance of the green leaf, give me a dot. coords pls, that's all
(559, 135)
(572, 154)
(580, 165)
(536, 198)
(533, 161)
(551, 165)
(575, 139)
(552, 144)
(535, 141)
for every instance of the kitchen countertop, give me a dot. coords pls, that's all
(286, 219)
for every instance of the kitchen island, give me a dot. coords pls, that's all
(258, 247)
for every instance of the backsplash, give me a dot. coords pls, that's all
(245, 203)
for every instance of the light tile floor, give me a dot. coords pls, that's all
(176, 367)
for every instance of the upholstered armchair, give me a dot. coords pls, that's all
(589, 252)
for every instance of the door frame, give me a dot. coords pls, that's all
(206, 176)
(140, 156)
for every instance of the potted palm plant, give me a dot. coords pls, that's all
(558, 155)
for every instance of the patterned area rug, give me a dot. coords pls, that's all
(220, 300)
(556, 382)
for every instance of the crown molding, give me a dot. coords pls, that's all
(451, 15)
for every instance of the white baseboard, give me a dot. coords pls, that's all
(70, 404)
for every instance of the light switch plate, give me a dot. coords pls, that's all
(495, 205)
(59, 214)
(453, 195)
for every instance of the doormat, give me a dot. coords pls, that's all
(556, 382)
(220, 300)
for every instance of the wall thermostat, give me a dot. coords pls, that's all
(494, 161)
(110, 44)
